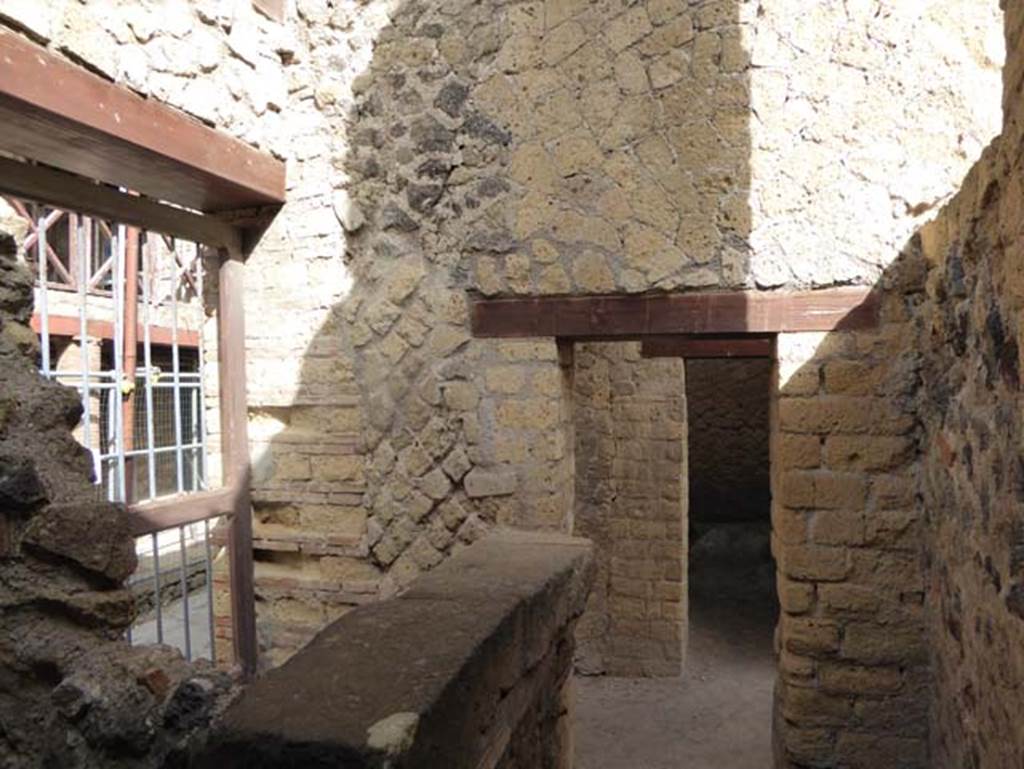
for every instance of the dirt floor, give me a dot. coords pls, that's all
(717, 716)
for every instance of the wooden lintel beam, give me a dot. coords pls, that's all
(56, 112)
(636, 316)
(751, 346)
(68, 191)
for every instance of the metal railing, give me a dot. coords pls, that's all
(174, 590)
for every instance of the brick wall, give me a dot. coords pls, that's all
(846, 533)
(629, 416)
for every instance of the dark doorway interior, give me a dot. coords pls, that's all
(731, 571)
(732, 589)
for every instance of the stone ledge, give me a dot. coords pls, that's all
(442, 675)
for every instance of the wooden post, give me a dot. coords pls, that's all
(235, 447)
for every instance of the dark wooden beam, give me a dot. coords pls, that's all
(637, 316)
(73, 193)
(752, 346)
(234, 420)
(58, 113)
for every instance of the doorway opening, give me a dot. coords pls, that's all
(675, 657)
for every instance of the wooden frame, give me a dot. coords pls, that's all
(60, 114)
(235, 448)
(626, 316)
(73, 193)
(181, 510)
(82, 138)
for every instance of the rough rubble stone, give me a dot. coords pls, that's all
(70, 531)
(21, 488)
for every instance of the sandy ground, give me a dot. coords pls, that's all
(717, 716)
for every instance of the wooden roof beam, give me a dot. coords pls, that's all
(51, 187)
(57, 113)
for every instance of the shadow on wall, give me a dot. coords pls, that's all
(590, 148)
(897, 505)
(499, 149)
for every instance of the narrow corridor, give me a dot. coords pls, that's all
(717, 715)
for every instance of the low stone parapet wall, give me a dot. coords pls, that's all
(470, 667)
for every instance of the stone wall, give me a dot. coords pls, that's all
(727, 435)
(846, 533)
(435, 147)
(902, 92)
(573, 147)
(496, 623)
(629, 417)
(972, 480)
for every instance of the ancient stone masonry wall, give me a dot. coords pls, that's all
(572, 147)
(496, 623)
(629, 419)
(555, 147)
(846, 537)
(972, 480)
(865, 118)
(568, 146)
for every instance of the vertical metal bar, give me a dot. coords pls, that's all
(130, 334)
(119, 276)
(44, 311)
(186, 618)
(147, 352)
(235, 442)
(204, 458)
(82, 263)
(110, 456)
(193, 452)
(156, 590)
(209, 591)
(176, 372)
